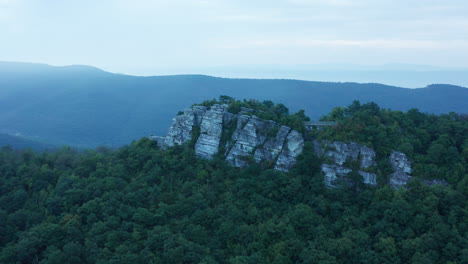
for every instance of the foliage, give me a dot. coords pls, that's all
(142, 204)
(266, 110)
(436, 144)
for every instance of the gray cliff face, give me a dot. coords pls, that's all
(333, 172)
(279, 146)
(368, 177)
(181, 129)
(210, 131)
(399, 162)
(264, 140)
(247, 138)
(401, 169)
(367, 156)
(293, 147)
(273, 146)
(338, 153)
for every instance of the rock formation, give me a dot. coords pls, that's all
(401, 169)
(210, 131)
(262, 140)
(181, 129)
(245, 137)
(273, 146)
(292, 148)
(338, 153)
(251, 132)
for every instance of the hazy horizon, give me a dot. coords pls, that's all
(401, 75)
(152, 37)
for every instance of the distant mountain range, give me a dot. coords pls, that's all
(84, 106)
(19, 142)
(403, 75)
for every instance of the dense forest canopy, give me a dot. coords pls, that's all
(141, 204)
(437, 145)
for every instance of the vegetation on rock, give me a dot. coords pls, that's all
(266, 110)
(437, 145)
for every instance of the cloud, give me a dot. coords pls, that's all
(4, 3)
(336, 3)
(288, 42)
(221, 31)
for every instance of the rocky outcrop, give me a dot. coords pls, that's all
(292, 149)
(338, 153)
(333, 172)
(246, 138)
(211, 130)
(181, 129)
(401, 169)
(251, 133)
(368, 177)
(253, 137)
(367, 157)
(273, 146)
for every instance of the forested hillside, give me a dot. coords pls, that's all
(141, 204)
(87, 107)
(437, 145)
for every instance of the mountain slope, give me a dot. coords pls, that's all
(18, 142)
(84, 106)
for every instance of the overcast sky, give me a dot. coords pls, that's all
(145, 36)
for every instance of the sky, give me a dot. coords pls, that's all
(148, 37)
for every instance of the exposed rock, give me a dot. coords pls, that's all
(367, 156)
(399, 162)
(401, 169)
(265, 140)
(198, 112)
(293, 147)
(273, 146)
(262, 140)
(227, 118)
(247, 137)
(242, 121)
(339, 153)
(159, 140)
(181, 128)
(398, 179)
(332, 172)
(368, 178)
(210, 132)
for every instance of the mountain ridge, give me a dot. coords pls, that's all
(97, 69)
(86, 107)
